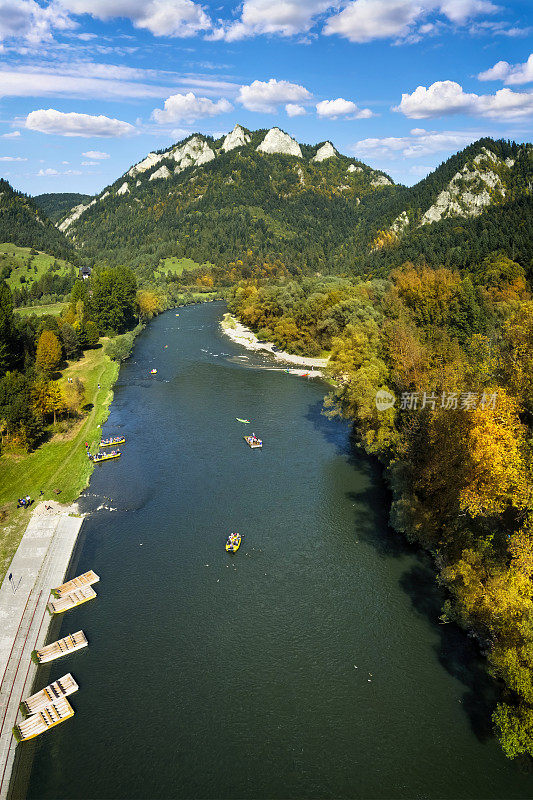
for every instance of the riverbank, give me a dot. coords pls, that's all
(58, 467)
(242, 335)
(41, 561)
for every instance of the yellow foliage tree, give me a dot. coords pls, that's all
(48, 353)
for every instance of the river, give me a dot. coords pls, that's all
(310, 664)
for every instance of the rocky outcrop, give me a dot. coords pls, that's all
(147, 163)
(162, 172)
(124, 189)
(470, 190)
(380, 180)
(276, 141)
(193, 153)
(326, 151)
(353, 168)
(237, 138)
(400, 223)
(76, 212)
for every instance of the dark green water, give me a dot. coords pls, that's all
(211, 676)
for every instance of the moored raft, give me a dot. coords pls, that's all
(87, 579)
(51, 715)
(70, 643)
(104, 456)
(50, 694)
(253, 441)
(113, 440)
(76, 598)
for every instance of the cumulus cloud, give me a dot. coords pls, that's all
(420, 142)
(27, 20)
(12, 158)
(294, 110)
(266, 96)
(188, 108)
(447, 97)
(510, 74)
(90, 163)
(73, 124)
(283, 17)
(98, 154)
(178, 18)
(51, 173)
(12, 135)
(365, 20)
(333, 109)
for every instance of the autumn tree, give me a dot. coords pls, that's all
(48, 353)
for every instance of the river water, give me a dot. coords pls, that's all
(308, 665)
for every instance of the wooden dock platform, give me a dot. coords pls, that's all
(50, 694)
(253, 441)
(87, 579)
(68, 601)
(72, 642)
(48, 717)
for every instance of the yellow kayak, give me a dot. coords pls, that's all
(234, 542)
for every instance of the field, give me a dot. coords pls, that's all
(176, 265)
(39, 311)
(61, 463)
(31, 268)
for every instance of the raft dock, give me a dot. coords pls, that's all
(72, 642)
(68, 601)
(48, 717)
(87, 579)
(50, 694)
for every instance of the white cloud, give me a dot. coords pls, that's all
(177, 18)
(26, 19)
(98, 154)
(294, 110)
(333, 109)
(510, 74)
(188, 108)
(265, 96)
(12, 158)
(47, 83)
(365, 20)
(447, 97)
(90, 163)
(12, 135)
(419, 143)
(73, 124)
(284, 17)
(51, 173)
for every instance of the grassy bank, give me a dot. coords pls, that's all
(52, 308)
(60, 463)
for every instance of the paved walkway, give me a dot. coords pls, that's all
(40, 563)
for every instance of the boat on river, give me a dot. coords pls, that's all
(253, 441)
(234, 542)
(48, 717)
(112, 440)
(97, 457)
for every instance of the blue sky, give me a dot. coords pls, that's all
(89, 87)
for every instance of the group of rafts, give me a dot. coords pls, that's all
(49, 707)
(234, 539)
(106, 456)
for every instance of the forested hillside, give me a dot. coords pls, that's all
(57, 204)
(260, 197)
(22, 223)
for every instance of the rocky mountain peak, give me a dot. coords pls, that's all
(326, 151)
(276, 141)
(236, 138)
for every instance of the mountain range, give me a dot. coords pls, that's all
(257, 196)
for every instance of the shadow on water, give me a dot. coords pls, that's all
(457, 653)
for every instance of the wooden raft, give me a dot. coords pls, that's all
(50, 694)
(72, 642)
(48, 717)
(61, 604)
(254, 442)
(87, 579)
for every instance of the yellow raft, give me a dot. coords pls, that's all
(234, 542)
